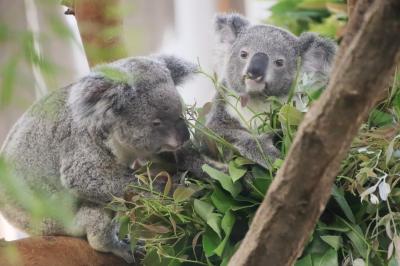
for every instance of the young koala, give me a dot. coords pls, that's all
(258, 61)
(82, 140)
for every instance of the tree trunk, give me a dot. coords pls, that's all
(54, 251)
(350, 6)
(100, 25)
(302, 187)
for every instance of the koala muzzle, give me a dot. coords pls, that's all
(257, 67)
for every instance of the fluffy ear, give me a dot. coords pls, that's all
(316, 54)
(95, 102)
(178, 67)
(229, 26)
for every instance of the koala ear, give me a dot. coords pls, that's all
(95, 102)
(317, 54)
(229, 26)
(178, 67)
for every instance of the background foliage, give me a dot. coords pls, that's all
(203, 222)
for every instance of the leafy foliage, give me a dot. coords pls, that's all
(203, 222)
(324, 16)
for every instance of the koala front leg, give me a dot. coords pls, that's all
(259, 149)
(101, 231)
(95, 181)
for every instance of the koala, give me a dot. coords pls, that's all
(258, 61)
(82, 139)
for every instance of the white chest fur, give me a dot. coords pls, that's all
(249, 116)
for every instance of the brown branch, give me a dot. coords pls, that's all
(302, 187)
(350, 7)
(100, 25)
(54, 251)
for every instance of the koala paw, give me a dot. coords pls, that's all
(124, 251)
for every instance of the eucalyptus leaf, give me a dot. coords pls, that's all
(227, 225)
(338, 195)
(210, 242)
(236, 172)
(225, 180)
(183, 193)
(329, 258)
(306, 261)
(333, 241)
(203, 209)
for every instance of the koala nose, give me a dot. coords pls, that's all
(257, 67)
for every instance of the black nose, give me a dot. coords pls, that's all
(257, 67)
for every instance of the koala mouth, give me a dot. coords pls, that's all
(255, 86)
(168, 148)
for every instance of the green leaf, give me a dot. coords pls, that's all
(390, 149)
(289, 115)
(358, 242)
(113, 74)
(183, 193)
(225, 180)
(203, 209)
(222, 201)
(338, 195)
(277, 163)
(240, 161)
(214, 221)
(123, 226)
(210, 242)
(379, 118)
(9, 76)
(262, 184)
(152, 258)
(260, 173)
(306, 261)
(329, 258)
(227, 225)
(333, 241)
(236, 172)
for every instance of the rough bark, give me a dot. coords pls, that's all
(350, 6)
(302, 187)
(356, 17)
(231, 6)
(54, 251)
(100, 25)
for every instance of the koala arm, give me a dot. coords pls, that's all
(249, 145)
(95, 180)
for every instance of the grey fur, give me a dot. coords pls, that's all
(236, 36)
(82, 140)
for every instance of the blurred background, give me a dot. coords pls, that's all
(47, 44)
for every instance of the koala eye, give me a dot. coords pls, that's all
(156, 122)
(279, 62)
(244, 54)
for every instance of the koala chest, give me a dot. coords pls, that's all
(247, 115)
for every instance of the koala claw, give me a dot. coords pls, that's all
(124, 251)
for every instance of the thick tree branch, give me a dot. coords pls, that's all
(100, 25)
(54, 251)
(302, 187)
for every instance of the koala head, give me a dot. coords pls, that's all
(262, 59)
(134, 101)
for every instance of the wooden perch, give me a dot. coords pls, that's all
(302, 187)
(54, 251)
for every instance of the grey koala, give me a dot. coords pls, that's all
(258, 61)
(82, 139)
